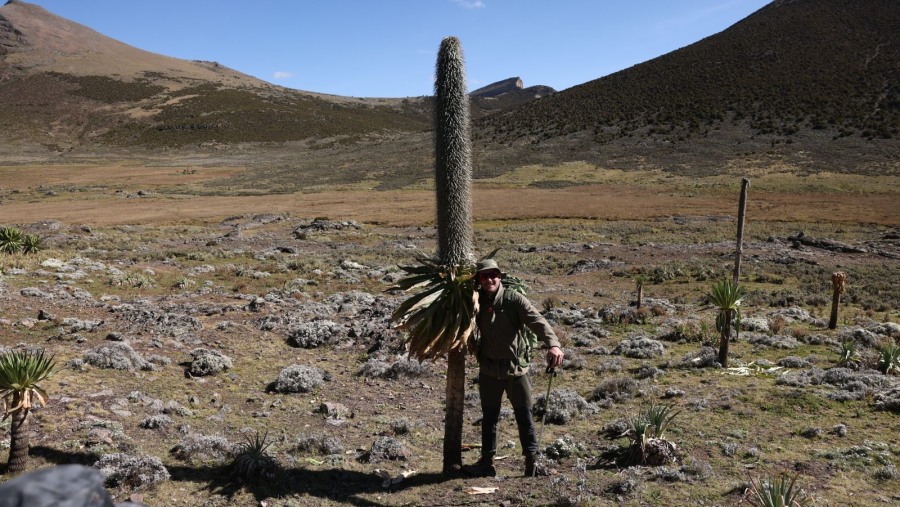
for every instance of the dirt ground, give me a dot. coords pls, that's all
(175, 268)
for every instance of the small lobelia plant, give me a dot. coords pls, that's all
(889, 358)
(780, 492)
(848, 354)
(727, 297)
(11, 240)
(31, 244)
(252, 460)
(647, 431)
(20, 373)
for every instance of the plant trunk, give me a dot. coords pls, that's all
(835, 303)
(453, 417)
(640, 294)
(839, 285)
(724, 339)
(742, 209)
(18, 442)
(452, 182)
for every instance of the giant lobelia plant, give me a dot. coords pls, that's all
(441, 317)
(20, 373)
(727, 297)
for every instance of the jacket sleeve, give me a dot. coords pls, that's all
(532, 318)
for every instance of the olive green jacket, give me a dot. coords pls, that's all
(502, 346)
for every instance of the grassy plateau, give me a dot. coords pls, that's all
(161, 260)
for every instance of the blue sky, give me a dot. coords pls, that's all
(387, 48)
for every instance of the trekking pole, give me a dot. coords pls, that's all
(552, 372)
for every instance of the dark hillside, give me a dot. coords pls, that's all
(823, 69)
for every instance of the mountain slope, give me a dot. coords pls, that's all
(65, 86)
(804, 72)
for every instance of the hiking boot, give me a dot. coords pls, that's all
(481, 468)
(532, 468)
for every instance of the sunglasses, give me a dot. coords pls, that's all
(486, 275)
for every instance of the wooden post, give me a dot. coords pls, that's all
(742, 210)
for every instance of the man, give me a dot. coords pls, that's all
(503, 356)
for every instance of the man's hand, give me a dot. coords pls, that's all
(554, 357)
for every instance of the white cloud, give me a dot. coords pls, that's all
(280, 74)
(471, 4)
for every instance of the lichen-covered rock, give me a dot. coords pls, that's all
(117, 356)
(299, 379)
(133, 471)
(208, 362)
(64, 485)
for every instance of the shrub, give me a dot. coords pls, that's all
(207, 362)
(313, 334)
(386, 448)
(615, 389)
(320, 444)
(117, 356)
(563, 406)
(135, 471)
(403, 368)
(299, 379)
(195, 445)
(639, 348)
(156, 422)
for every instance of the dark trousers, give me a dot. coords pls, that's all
(518, 390)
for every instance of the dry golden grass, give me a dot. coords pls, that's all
(611, 195)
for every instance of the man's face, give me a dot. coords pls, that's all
(489, 280)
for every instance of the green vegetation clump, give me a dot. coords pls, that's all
(780, 492)
(13, 241)
(108, 90)
(214, 114)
